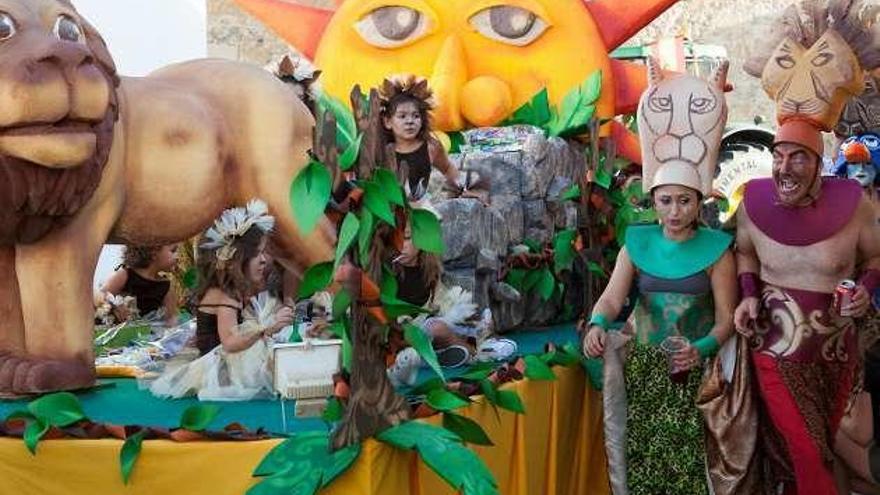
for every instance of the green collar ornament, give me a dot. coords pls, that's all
(654, 254)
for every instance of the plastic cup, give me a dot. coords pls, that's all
(671, 346)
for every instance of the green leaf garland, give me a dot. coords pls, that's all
(316, 278)
(422, 344)
(129, 453)
(309, 195)
(197, 418)
(469, 430)
(427, 234)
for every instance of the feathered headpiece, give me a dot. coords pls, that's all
(234, 223)
(409, 85)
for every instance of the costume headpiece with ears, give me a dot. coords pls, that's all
(814, 62)
(681, 120)
(409, 85)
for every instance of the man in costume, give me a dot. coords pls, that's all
(798, 236)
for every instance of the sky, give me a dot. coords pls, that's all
(144, 35)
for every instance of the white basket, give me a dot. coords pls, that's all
(306, 371)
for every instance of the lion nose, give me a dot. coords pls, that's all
(66, 55)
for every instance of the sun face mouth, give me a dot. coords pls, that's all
(64, 144)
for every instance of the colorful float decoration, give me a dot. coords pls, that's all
(484, 60)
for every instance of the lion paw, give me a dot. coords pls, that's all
(25, 376)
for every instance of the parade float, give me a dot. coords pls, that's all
(535, 120)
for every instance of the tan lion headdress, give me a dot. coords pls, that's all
(815, 58)
(233, 224)
(681, 120)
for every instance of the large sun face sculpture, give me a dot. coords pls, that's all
(484, 58)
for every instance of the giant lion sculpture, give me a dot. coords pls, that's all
(87, 156)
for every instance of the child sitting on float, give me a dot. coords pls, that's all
(142, 276)
(453, 338)
(234, 321)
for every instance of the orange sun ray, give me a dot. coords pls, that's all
(299, 25)
(630, 81)
(619, 21)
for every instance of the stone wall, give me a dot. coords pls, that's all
(734, 24)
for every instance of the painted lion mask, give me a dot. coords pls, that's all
(681, 120)
(58, 107)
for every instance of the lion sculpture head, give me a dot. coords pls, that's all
(58, 107)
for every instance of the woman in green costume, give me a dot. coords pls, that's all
(686, 280)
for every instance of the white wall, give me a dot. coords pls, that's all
(144, 35)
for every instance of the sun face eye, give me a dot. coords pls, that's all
(7, 26)
(67, 29)
(508, 24)
(392, 26)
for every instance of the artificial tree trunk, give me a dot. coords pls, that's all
(374, 404)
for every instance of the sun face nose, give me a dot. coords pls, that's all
(449, 76)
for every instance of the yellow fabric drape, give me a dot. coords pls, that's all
(555, 448)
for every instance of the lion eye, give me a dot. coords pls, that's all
(785, 61)
(702, 105)
(67, 29)
(7, 26)
(392, 26)
(660, 104)
(509, 24)
(822, 59)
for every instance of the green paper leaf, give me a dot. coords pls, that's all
(334, 410)
(456, 139)
(509, 399)
(572, 193)
(347, 347)
(316, 278)
(422, 344)
(426, 232)
(533, 245)
(595, 269)
(428, 385)
(347, 234)
(131, 449)
(394, 307)
(341, 303)
(190, 278)
(309, 195)
(302, 464)
(546, 284)
(442, 451)
(365, 236)
(532, 279)
(444, 400)
(578, 107)
(197, 418)
(33, 433)
(377, 203)
(350, 155)
(346, 126)
(603, 177)
(592, 88)
(563, 249)
(516, 278)
(467, 429)
(388, 287)
(490, 391)
(59, 409)
(478, 372)
(535, 112)
(390, 186)
(407, 435)
(537, 369)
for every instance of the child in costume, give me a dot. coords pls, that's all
(406, 102)
(141, 277)
(686, 280)
(858, 159)
(233, 322)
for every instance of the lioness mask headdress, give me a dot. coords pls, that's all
(681, 121)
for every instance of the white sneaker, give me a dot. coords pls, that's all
(495, 349)
(405, 369)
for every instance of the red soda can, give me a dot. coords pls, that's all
(843, 295)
